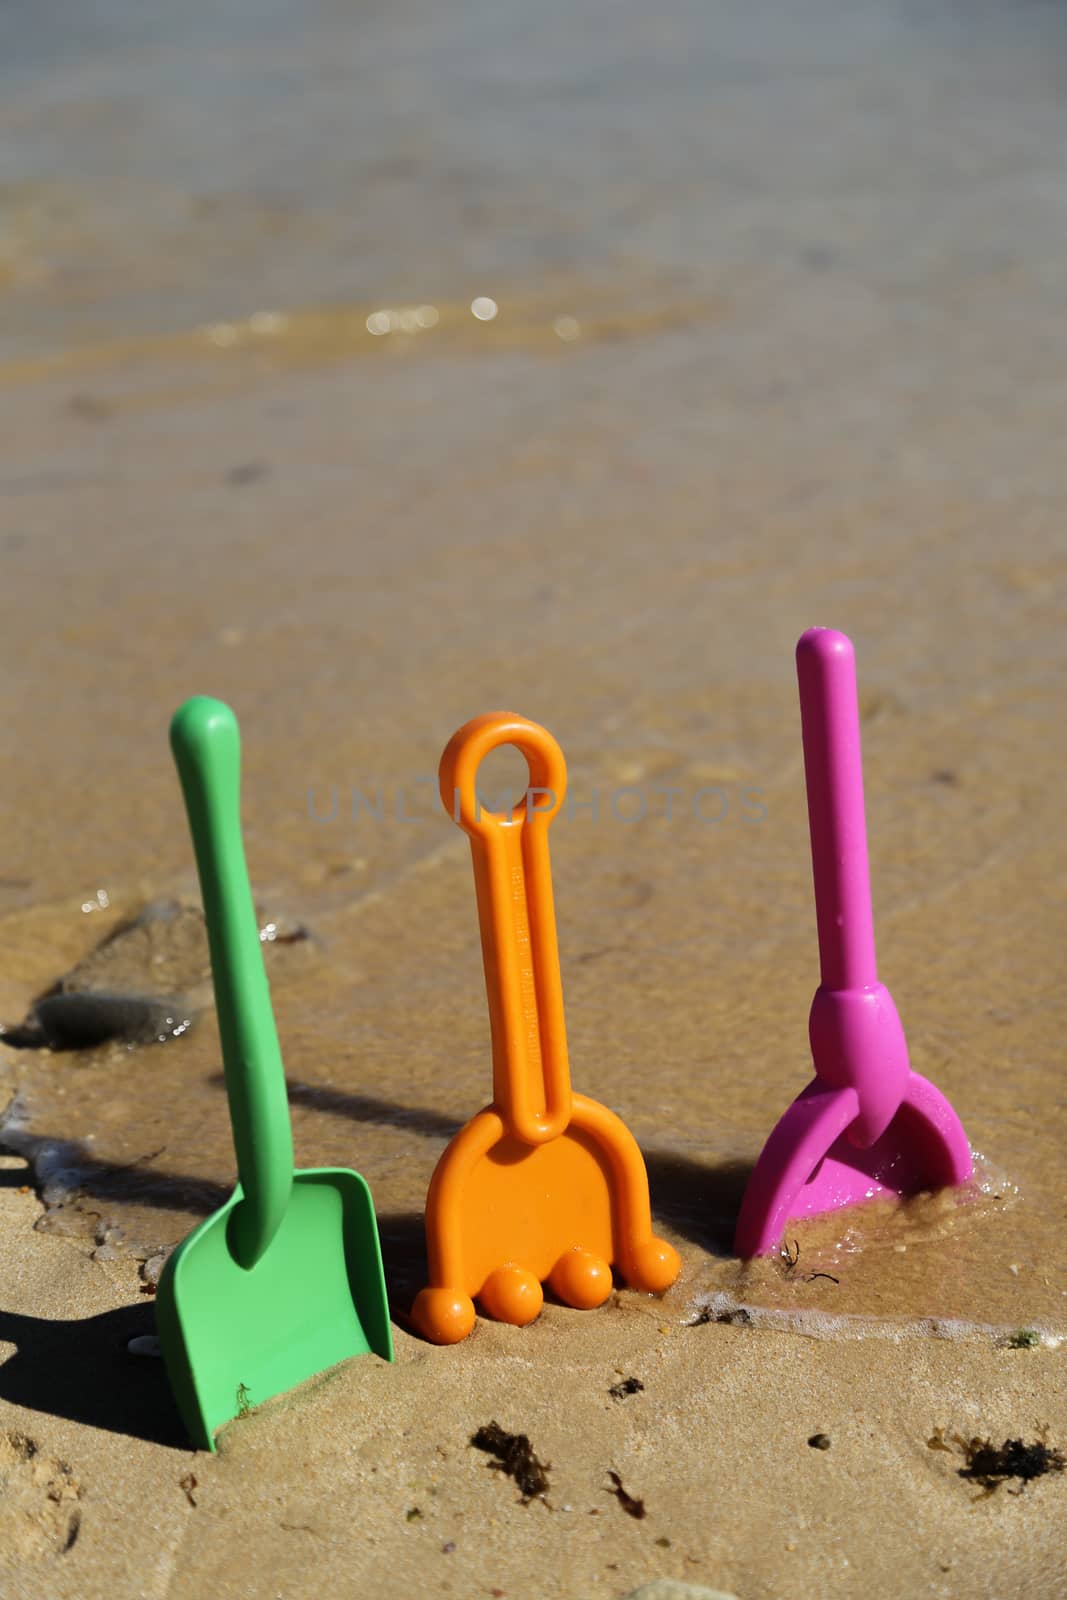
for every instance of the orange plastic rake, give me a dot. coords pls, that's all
(543, 1185)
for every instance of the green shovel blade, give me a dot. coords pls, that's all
(232, 1337)
(286, 1279)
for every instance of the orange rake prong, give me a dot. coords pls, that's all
(543, 1185)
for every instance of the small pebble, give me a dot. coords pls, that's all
(151, 1269)
(820, 1441)
(60, 1187)
(246, 472)
(145, 1345)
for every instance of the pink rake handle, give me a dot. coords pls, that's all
(856, 1037)
(833, 768)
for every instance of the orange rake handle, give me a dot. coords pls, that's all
(516, 914)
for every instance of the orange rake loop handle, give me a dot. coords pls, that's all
(517, 918)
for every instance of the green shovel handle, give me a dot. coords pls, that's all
(207, 751)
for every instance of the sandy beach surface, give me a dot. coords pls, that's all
(779, 337)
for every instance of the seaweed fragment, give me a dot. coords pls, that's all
(736, 1316)
(624, 1387)
(1024, 1339)
(790, 1257)
(515, 1458)
(630, 1503)
(991, 1465)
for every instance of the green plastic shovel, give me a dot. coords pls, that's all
(286, 1279)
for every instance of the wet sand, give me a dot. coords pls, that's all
(810, 371)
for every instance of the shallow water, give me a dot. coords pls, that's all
(779, 340)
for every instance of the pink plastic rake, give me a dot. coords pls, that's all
(867, 1124)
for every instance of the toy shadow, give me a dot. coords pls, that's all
(369, 1108)
(135, 1182)
(81, 1370)
(403, 1237)
(698, 1200)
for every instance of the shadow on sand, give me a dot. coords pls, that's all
(82, 1370)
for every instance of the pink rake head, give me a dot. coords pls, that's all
(867, 1124)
